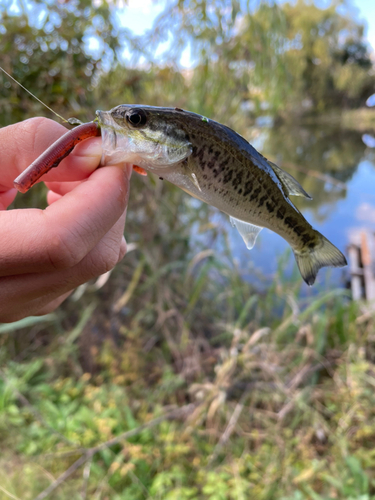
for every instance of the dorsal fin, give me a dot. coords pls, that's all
(292, 186)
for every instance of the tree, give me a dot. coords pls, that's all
(46, 47)
(327, 57)
(259, 58)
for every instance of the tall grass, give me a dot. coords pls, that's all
(276, 390)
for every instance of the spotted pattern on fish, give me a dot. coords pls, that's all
(220, 167)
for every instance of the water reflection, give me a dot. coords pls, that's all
(337, 169)
(369, 140)
(306, 151)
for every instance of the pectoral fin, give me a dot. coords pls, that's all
(195, 181)
(292, 186)
(249, 232)
(139, 170)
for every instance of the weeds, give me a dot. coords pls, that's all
(279, 388)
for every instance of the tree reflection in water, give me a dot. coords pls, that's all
(304, 151)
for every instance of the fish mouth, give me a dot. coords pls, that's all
(104, 117)
(115, 140)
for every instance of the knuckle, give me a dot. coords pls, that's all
(31, 125)
(37, 134)
(62, 251)
(32, 128)
(104, 260)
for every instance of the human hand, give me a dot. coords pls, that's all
(46, 254)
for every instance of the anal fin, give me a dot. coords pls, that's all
(249, 232)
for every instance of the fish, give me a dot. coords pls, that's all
(216, 165)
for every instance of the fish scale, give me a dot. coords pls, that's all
(250, 199)
(218, 166)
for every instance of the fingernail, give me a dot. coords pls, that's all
(128, 169)
(90, 147)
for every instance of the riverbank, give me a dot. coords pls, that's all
(361, 120)
(276, 392)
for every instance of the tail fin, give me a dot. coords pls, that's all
(309, 261)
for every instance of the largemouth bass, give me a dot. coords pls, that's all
(216, 165)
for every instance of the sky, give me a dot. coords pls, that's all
(366, 12)
(140, 14)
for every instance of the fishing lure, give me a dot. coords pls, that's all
(209, 161)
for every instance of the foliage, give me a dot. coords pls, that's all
(269, 58)
(280, 383)
(281, 412)
(327, 56)
(45, 47)
(278, 57)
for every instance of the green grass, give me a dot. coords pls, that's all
(278, 389)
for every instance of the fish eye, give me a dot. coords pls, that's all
(136, 117)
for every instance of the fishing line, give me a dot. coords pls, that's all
(35, 97)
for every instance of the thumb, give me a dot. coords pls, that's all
(22, 143)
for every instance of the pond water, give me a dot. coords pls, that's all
(337, 168)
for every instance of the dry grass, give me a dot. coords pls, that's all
(280, 389)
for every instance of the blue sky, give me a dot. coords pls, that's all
(365, 11)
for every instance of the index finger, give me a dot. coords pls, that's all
(22, 143)
(59, 237)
